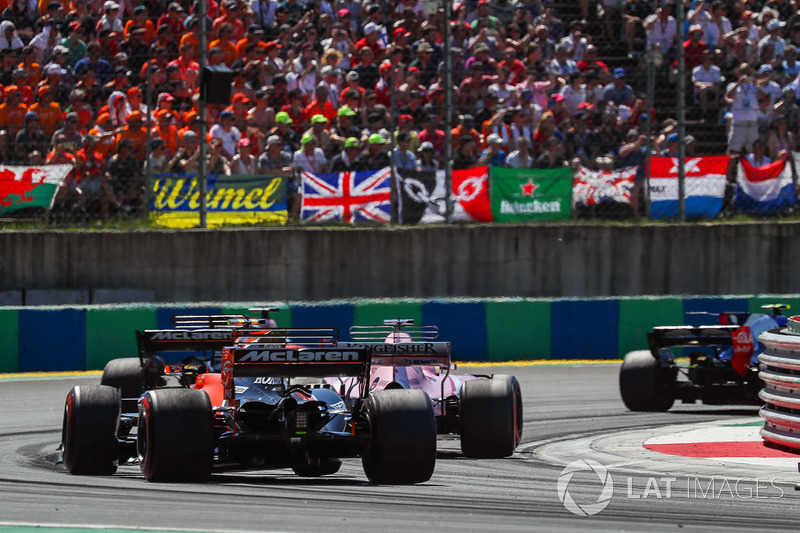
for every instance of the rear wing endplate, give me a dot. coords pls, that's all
(152, 341)
(676, 336)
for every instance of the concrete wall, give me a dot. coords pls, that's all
(450, 261)
(511, 329)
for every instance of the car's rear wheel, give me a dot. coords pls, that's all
(127, 375)
(89, 431)
(402, 447)
(175, 440)
(491, 417)
(644, 384)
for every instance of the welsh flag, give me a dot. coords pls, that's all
(26, 187)
(594, 187)
(471, 195)
(531, 194)
(764, 190)
(705, 186)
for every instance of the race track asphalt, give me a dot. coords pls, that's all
(562, 403)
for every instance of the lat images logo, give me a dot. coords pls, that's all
(585, 465)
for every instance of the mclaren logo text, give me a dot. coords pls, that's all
(191, 335)
(292, 356)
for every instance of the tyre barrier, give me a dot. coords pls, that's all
(780, 372)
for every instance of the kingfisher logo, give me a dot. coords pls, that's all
(294, 356)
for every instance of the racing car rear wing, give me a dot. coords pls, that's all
(395, 330)
(406, 353)
(671, 336)
(152, 341)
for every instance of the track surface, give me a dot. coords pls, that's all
(561, 403)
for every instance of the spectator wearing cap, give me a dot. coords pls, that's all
(94, 62)
(225, 43)
(141, 21)
(231, 14)
(345, 126)
(216, 160)
(618, 91)
(474, 87)
(464, 156)
(485, 18)
(227, 133)
(165, 130)
(590, 63)
(134, 132)
(773, 38)
(348, 159)
(172, 19)
(320, 105)
(707, 79)
(375, 157)
(244, 162)
(254, 36)
(693, 47)
(71, 132)
(375, 15)
(562, 66)
(186, 60)
(427, 158)
(240, 106)
(331, 81)
(276, 160)
(767, 85)
(466, 126)
(124, 175)
(58, 78)
(321, 132)
(403, 157)
(48, 111)
(661, 29)
(90, 173)
(515, 67)
(493, 154)
(310, 157)
(12, 113)
(111, 18)
(185, 160)
(341, 43)
(30, 138)
(105, 133)
(428, 69)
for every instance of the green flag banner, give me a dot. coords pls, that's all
(520, 194)
(25, 187)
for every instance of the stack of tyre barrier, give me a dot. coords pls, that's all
(780, 371)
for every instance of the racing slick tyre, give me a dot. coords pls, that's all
(317, 468)
(402, 447)
(642, 383)
(89, 431)
(126, 375)
(491, 417)
(175, 440)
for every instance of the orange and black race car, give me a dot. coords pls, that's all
(257, 402)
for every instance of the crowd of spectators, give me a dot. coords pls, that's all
(333, 85)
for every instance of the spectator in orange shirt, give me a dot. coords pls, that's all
(225, 44)
(141, 20)
(232, 16)
(253, 36)
(89, 170)
(12, 112)
(320, 105)
(33, 70)
(105, 133)
(135, 133)
(49, 112)
(165, 131)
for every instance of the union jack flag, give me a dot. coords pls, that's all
(348, 197)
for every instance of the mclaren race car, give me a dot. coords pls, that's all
(264, 408)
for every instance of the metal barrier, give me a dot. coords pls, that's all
(780, 371)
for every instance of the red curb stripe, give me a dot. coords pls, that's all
(720, 449)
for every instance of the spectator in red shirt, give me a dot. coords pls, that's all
(320, 106)
(693, 48)
(174, 19)
(433, 135)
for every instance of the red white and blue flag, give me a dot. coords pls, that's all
(347, 197)
(764, 190)
(704, 186)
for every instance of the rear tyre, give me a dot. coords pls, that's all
(89, 431)
(127, 375)
(175, 435)
(402, 447)
(317, 468)
(491, 417)
(644, 384)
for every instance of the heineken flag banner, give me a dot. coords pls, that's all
(594, 187)
(705, 186)
(347, 197)
(764, 190)
(530, 194)
(27, 187)
(471, 195)
(420, 197)
(175, 200)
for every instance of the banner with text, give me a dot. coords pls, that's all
(531, 194)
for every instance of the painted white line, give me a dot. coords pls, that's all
(710, 434)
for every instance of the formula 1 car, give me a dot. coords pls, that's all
(485, 411)
(722, 367)
(253, 414)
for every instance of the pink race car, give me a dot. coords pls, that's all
(486, 411)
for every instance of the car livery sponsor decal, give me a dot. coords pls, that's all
(181, 335)
(296, 356)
